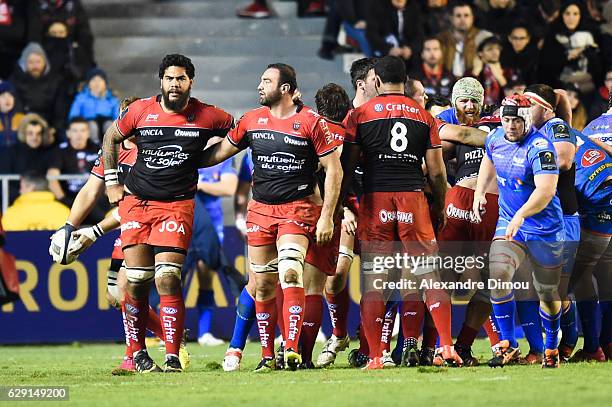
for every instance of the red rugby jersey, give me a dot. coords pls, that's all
(285, 152)
(394, 133)
(170, 146)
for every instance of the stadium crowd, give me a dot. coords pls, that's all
(536, 74)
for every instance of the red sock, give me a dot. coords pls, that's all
(293, 315)
(492, 333)
(136, 314)
(154, 324)
(338, 305)
(313, 314)
(439, 306)
(126, 331)
(412, 315)
(266, 324)
(372, 315)
(172, 315)
(430, 333)
(364, 349)
(280, 297)
(466, 336)
(387, 329)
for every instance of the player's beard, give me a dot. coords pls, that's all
(176, 105)
(466, 120)
(271, 99)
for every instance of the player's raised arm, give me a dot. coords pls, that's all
(217, 153)
(470, 136)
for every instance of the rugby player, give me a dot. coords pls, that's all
(395, 134)
(600, 129)
(530, 223)
(288, 141)
(171, 131)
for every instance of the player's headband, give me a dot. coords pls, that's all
(538, 100)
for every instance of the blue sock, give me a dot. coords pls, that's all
(504, 309)
(245, 317)
(606, 323)
(399, 345)
(206, 304)
(588, 318)
(569, 329)
(528, 312)
(551, 324)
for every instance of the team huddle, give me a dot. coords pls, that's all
(370, 177)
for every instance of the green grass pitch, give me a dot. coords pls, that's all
(86, 370)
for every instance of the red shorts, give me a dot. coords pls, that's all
(266, 223)
(156, 223)
(325, 257)
(460, 222)
(386, 217)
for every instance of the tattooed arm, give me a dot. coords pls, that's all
(110, 157)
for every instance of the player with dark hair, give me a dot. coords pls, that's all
(530, 223)
(171, 130)
(288, 141)
(395, 134)
(543, 114)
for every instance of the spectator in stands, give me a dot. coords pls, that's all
(96, 104)
(43, 13)
(580, 117)
(515, 86)
(570, 54)
(12, 34)
(436, 79)
(437, 104)
(499, 16)
(10, 115)
(40, 90)
(29, 154)
(257, 9)
(606, 34)
(459, 42)
(65, 58)
(76, 156)
(36, 207)
(489, 71)
(435, 16)
(349, 14)
(600, 102)
(520, 53)
(394, 27)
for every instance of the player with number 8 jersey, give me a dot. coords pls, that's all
(395, 135)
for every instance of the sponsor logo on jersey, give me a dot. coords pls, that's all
(261, 316)
(151, 132)
(281, 161)
(592, 157)
(547, 160)
(296, 126)
(186, 133)
(262, 120)
(130, 225)
(152, 117)
(401, 107)
(604, 217)
(263, 136)
(295, 309)
(540, 143)
(131, 309)
(379, 107)
(164, 157)
(462, 214)
(172, 226)
(399, 216)
(169, 310)
(301, 143)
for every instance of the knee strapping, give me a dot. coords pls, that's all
(140, 275)
(291, 257)
(346, 252)
(167, 269)
(270, 267)
(546, 291)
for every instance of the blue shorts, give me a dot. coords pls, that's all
(205, 241)
(571, 225)
(545, 250)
